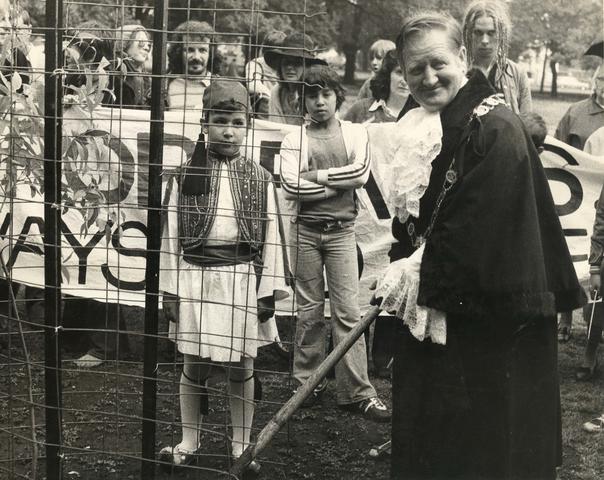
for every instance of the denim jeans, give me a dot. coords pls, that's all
(312, 249)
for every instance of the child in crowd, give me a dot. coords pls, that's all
(222, 269)
(377, 52)
(322, 165)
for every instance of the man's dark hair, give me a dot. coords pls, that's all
(318, 77)
(380, 84)
(536, 127)
(184, 33)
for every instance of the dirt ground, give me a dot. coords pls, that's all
(102, 421)
(102, 435)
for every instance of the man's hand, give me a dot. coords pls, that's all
(595, 285)
(266, 308)
(309, 176)
(170, 305)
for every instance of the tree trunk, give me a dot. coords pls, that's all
(351, 55)
(553, 66)
(352, 46)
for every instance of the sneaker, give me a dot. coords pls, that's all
(371, 408)
(315, 397)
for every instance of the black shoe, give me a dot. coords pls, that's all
(371, 408)
(315, 397)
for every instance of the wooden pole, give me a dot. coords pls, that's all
(290, 407)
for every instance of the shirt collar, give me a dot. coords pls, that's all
(381, 103)
(595, 106)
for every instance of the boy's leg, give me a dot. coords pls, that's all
(311, 328)
(193, 380)
(241, 399)
(342, 279)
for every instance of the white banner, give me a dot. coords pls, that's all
(108, 264)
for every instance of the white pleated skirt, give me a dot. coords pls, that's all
(218, 313)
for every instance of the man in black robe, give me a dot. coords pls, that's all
(485, 405)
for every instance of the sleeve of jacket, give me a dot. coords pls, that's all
(525, 101)
(597, 239)
(563, 129)
(293, 186)
(356, 173)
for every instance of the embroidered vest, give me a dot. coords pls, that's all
(249, 184)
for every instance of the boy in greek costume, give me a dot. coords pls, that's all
(222, 268)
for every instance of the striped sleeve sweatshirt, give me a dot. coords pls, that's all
(294, 161)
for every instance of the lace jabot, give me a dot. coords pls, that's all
(415, 141)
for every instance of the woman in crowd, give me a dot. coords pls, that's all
(482, 269)
(132, 87)
(260, 77)
(389, 92)
(377, 52)
(296, 53)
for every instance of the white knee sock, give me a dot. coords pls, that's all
(241, 396)
(191, 417)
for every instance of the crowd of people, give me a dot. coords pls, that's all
(479, 271)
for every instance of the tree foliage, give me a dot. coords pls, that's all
(568, 27)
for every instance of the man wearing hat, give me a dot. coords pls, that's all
(297, 52)
(222, 254)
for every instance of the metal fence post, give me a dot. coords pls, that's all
(153, 240)
(53, 126)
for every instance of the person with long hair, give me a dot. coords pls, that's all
(389, 92)
(132, 86)
(296, 54)
(192, 60)
(487, 31)
(377, 53)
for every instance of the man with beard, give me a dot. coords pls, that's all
(191, 61)
(486, 35)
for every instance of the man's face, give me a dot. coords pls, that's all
(226, 132)
(434, 69)
(196, 53)
(484, 40)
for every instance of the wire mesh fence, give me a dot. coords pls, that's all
(113, 232)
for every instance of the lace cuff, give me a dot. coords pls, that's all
(399, 289)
